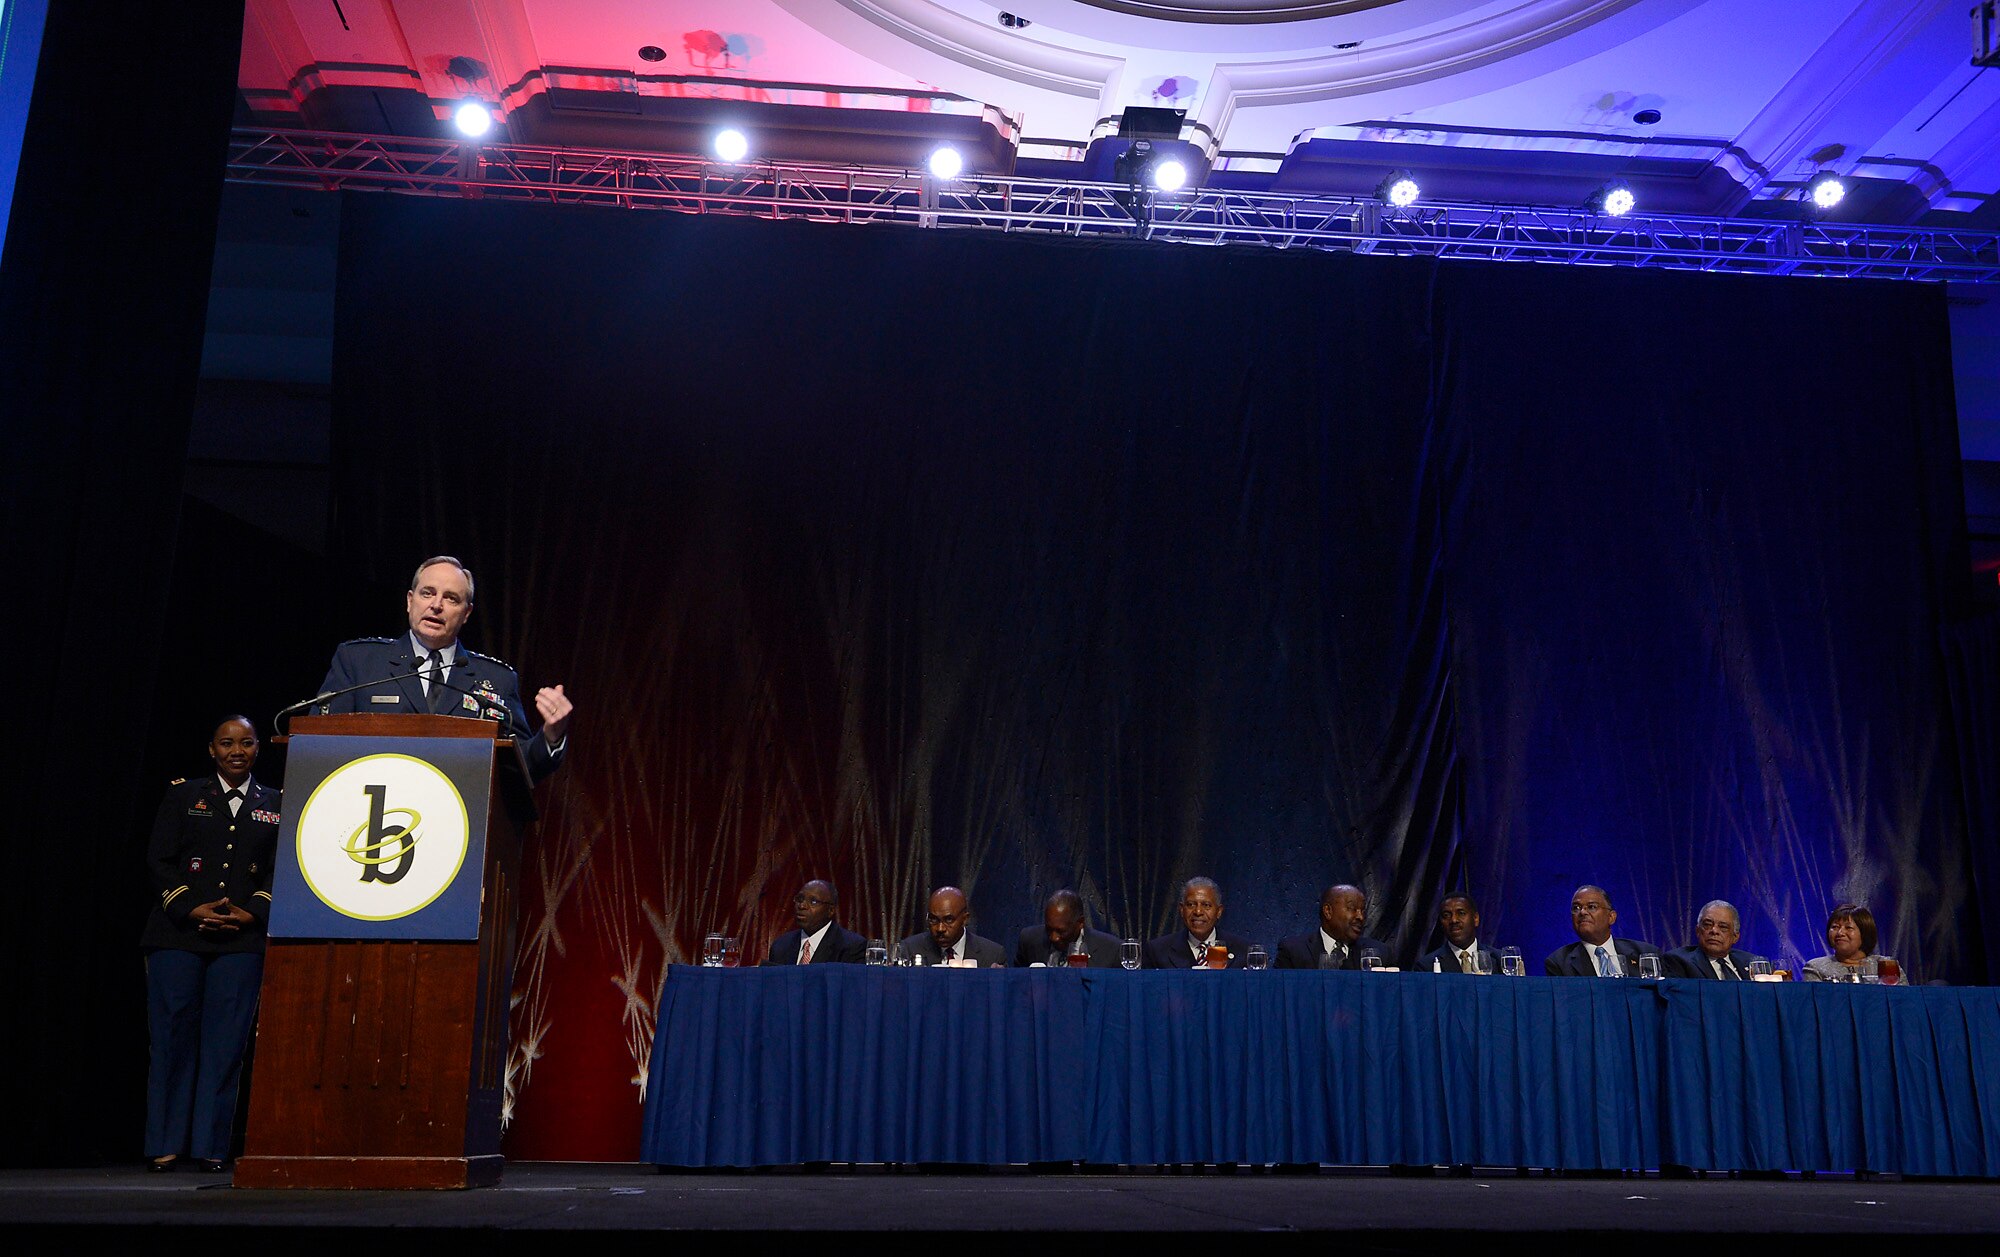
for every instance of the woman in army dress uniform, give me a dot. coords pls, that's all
(210, 859)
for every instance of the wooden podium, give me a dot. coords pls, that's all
(380, 1061)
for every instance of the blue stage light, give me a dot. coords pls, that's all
(732, 145)
(1614, 199)
(1828, 190)
(473, 119)
(1399, 189)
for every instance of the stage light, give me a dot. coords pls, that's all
(1399, 189)
(1827, 190)
(945, 163)
(473, 119)
(732, 145)
(1168, 175)
(1615, 199)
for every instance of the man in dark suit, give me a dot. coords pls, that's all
(427, 670)
(819, 940)
(1714, 954)
(1187, 948)
(1338, 943)
(1596, 954)
(1458, 919)
(1065, 934)
(949, 937)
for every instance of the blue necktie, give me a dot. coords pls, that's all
(1603, 962)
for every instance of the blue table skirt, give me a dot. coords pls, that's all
(843, 1063)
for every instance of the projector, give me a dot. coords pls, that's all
(1986, 34)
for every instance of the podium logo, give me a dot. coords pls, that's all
(382, 837)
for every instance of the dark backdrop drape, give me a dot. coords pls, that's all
(1972, 671)
(909, 557)
(103, 288)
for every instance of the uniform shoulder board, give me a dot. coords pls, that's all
(502, 663)
(178, 781)
(367, 641)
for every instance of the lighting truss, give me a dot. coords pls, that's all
(869, 194)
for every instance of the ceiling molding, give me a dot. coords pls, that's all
(1420, 58)
(1499, 40)
(1970, 149)
(989, 49)
(1783, 132)
(1236, 12)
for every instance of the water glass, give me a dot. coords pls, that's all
(1482, 962)
(1371, 960)
(1649, 965)
(1258, 957)
(1760, 968)
(732, 953)
(1871, 970)
(1128, 953)
(877, 953)
(1511, 963)
(711, 951)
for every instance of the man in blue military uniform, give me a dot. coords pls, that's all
(426, 670)
(210, 856)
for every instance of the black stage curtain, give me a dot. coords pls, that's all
(916, 557)
(103, 289)
(1972, 668)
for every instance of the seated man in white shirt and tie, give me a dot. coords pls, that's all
(1596, 954)
(1193, 945)
(1338, 943)
(1714, 954)
(818, 940)
(1458, 921)
(948, 938)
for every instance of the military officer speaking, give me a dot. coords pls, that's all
(426, 670)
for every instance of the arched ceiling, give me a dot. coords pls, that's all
(1523, 100)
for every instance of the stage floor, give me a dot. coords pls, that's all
(621, 1203)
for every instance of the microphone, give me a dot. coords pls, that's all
(491, 706)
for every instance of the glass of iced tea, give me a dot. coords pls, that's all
(1218, 956)
(1887, 968)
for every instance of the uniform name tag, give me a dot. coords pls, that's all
(385, 698)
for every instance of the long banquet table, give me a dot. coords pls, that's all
(845, 1063)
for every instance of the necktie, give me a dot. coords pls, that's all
(1726, 969)
(1604, 965)
(433, 674)
(805, 952)
(951, 953)
(1465, 964)
(235, 798)
(1335, 957)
